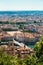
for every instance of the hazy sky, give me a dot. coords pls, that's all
(21, 4)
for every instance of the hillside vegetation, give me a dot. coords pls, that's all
(35, 59)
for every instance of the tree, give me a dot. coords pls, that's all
(35, 21)
(39, 51)
(6, 59)
(39, 47)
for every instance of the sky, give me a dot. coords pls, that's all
(21, 5)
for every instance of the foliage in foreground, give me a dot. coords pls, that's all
(35, 59)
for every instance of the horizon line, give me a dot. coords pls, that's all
(21, 10)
